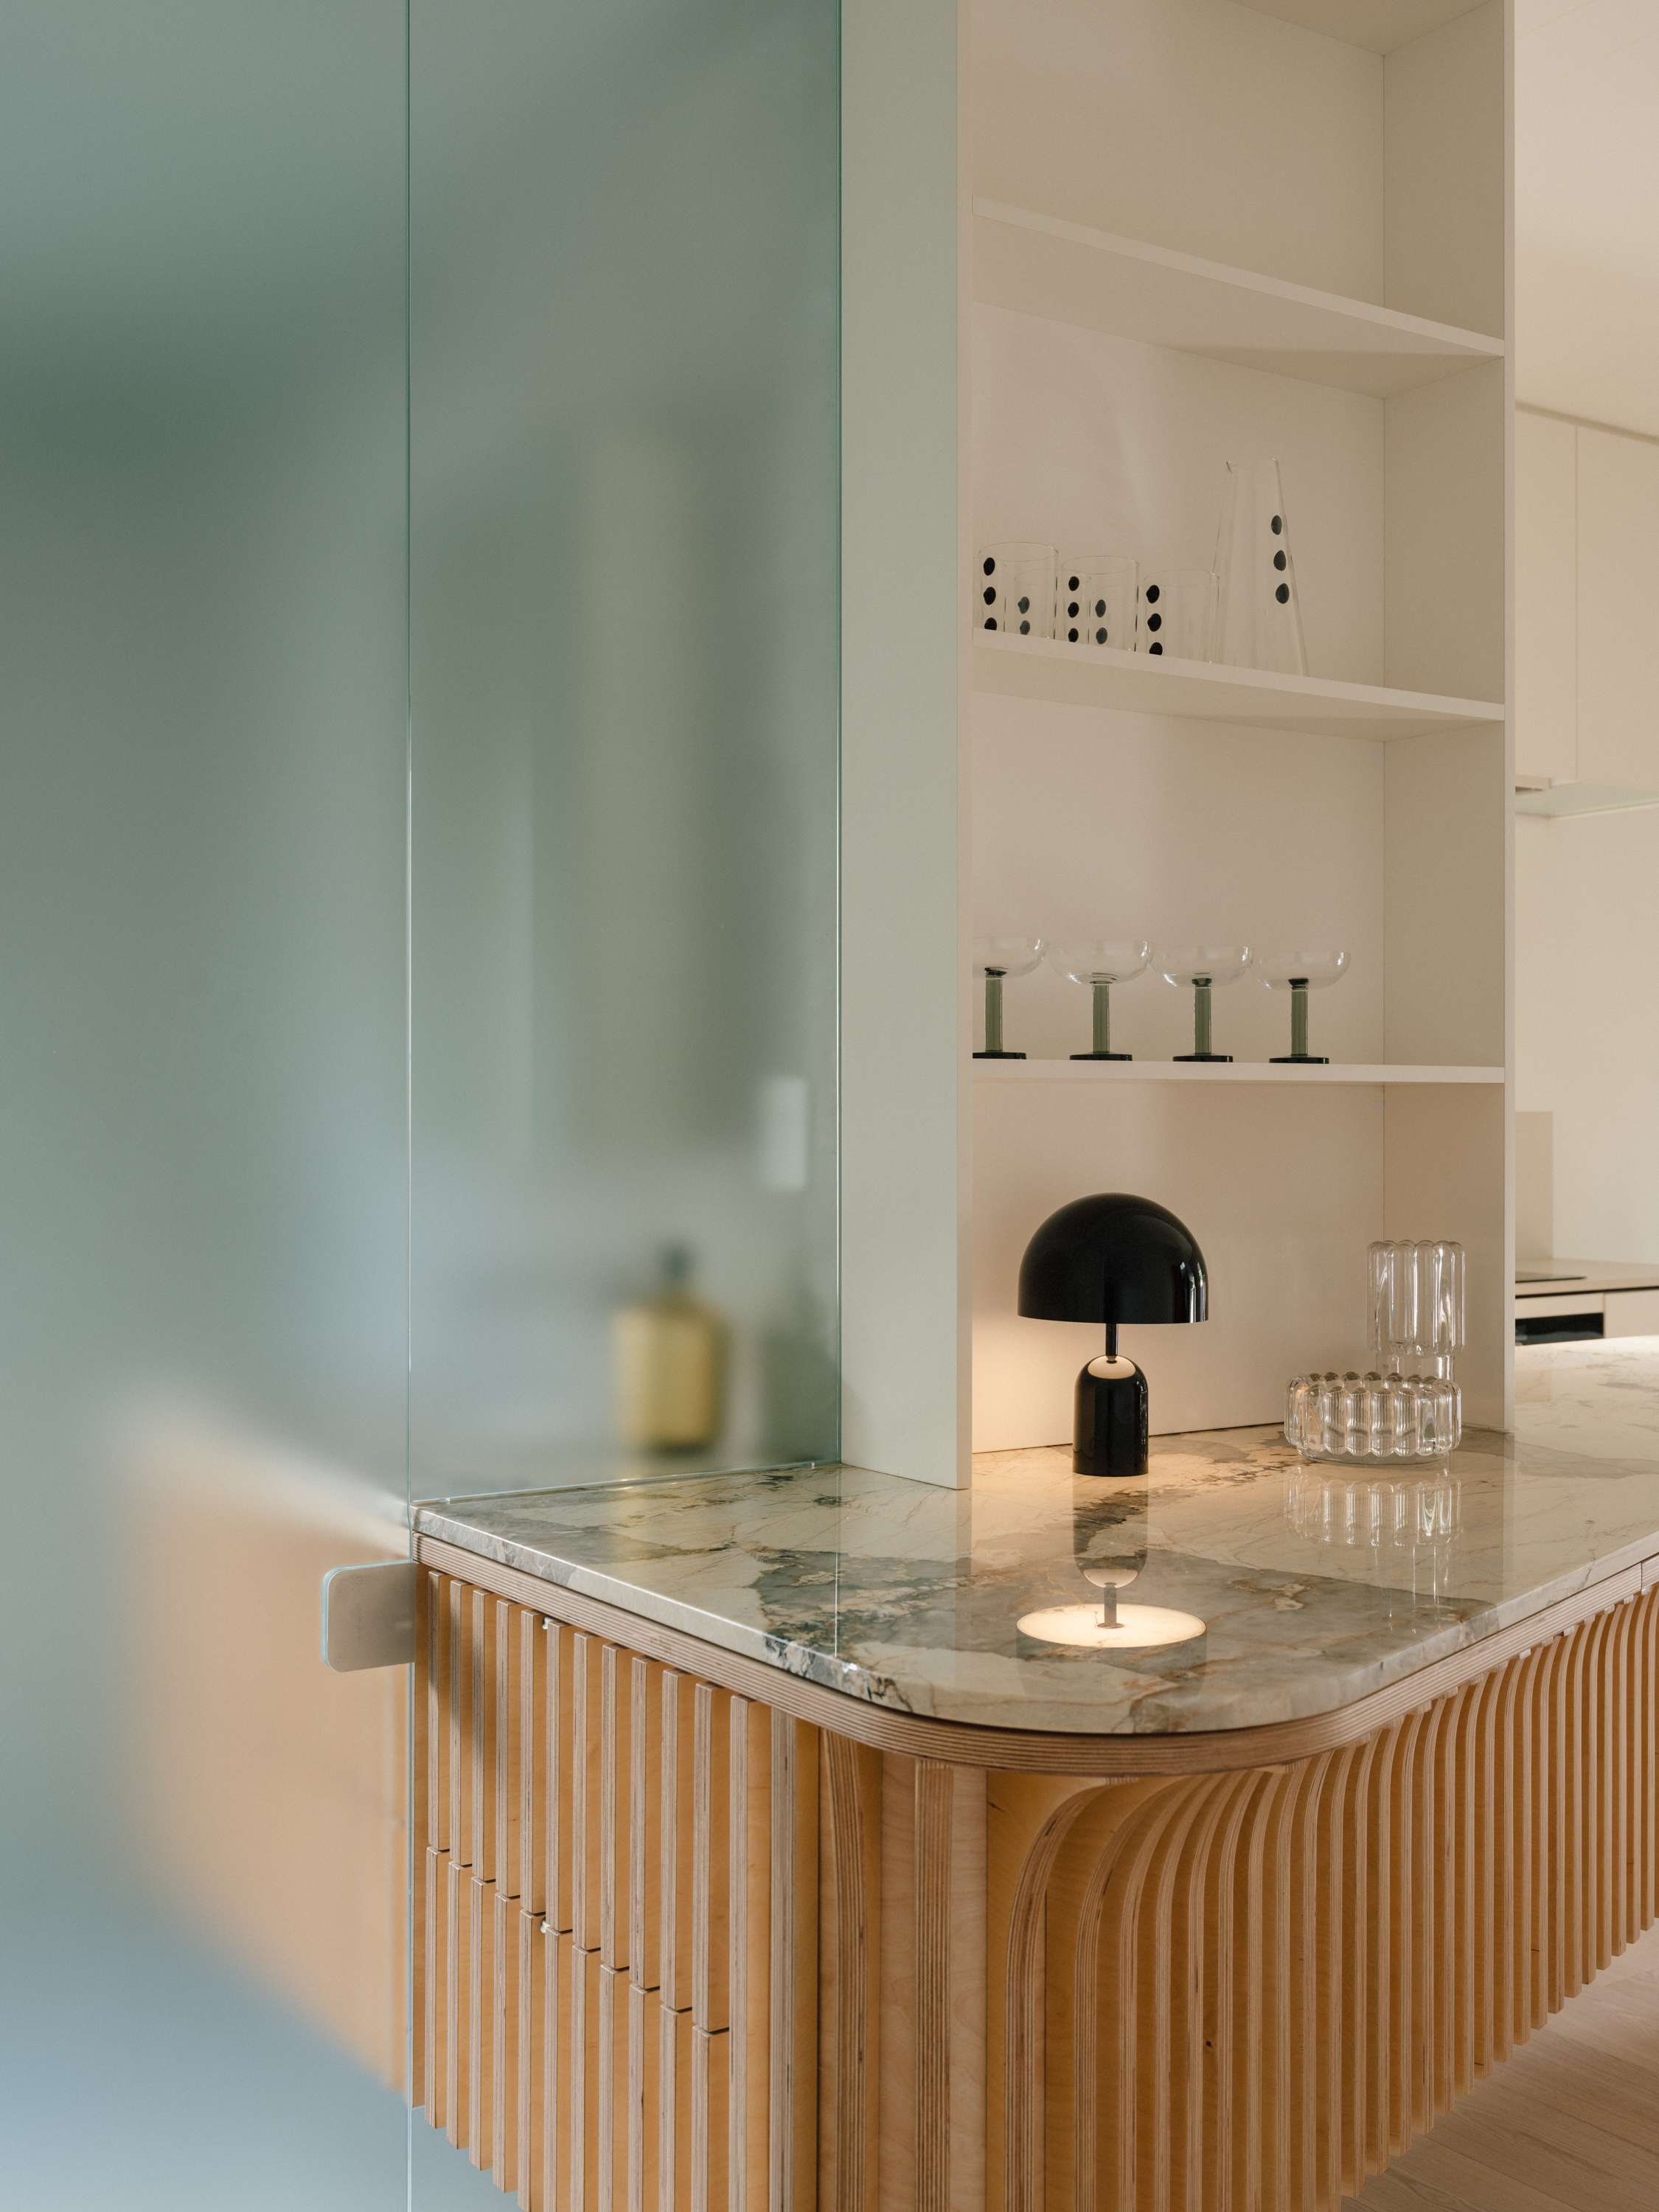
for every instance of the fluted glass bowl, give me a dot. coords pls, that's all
(1373, 1420)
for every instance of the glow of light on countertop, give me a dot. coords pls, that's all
(1137, 1628)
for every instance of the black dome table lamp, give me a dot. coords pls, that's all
(1113, 1258)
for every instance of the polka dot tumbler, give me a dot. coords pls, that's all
(1096, 603)
(1014, 589)
(1177, 614)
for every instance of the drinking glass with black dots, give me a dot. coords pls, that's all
(1178, 609)
(1014, 585)
(1098, 597)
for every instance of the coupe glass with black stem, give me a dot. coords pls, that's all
(1202, 969)
(995, 959)
(1098, 962)
(1299, 972)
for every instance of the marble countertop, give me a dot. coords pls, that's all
(1313, 1587)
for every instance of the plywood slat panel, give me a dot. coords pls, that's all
(1249, 1987)
(1261, 1987)
(482, 1787)
(481, 2050)
(675, 1878)
(507, 1661)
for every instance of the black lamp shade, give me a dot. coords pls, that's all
(1114, 1258)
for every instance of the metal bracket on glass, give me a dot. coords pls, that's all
(368, 1616)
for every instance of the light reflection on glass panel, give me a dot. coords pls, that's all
(202, 531)
(623, 376)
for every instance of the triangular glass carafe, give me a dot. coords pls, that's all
(1260, 623)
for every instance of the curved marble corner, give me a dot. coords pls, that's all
(1315, 1587)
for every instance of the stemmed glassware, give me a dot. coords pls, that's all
(1099, 963)
(996, 958)
(1202, 969)
(1298, 973)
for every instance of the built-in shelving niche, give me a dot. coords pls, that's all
(1202, 231)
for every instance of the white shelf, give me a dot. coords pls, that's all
(1068, 273)
(1381, 25)
(1236, 1071)
(1556, 801)
(1196, 690)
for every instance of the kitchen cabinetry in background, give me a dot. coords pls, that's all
(1586, 643)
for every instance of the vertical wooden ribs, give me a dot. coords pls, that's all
(1252, 1989)
(618, 1930)
(677, 1951)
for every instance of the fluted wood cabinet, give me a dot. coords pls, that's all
(694, 1933)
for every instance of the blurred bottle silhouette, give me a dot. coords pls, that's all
(670, 1354)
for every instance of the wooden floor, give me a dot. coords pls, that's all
(1570, 2124)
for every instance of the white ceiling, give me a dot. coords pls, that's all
(1587, 208)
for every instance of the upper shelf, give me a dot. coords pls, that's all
(1198, 691)
(1381, 25)
(1068, 273)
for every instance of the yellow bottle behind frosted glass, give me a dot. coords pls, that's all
(670, 1353)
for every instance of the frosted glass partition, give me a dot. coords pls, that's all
(203, 1847)
(624, 318)
(602, 254)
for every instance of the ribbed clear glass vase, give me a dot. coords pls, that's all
(1416, 1307)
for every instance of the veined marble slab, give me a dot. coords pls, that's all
(1315, 1586)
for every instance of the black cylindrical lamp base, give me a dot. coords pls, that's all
(1113, 1404)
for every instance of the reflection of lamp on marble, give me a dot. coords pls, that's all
(1113, 1258)
(1109, 1547)
(1110, 1553)
(1132, 1627)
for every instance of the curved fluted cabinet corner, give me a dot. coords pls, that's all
(1258, 1987)
(681, 1946)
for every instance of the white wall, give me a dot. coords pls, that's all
(1283, 1188)
(905, 1002)
(1587, 1043)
